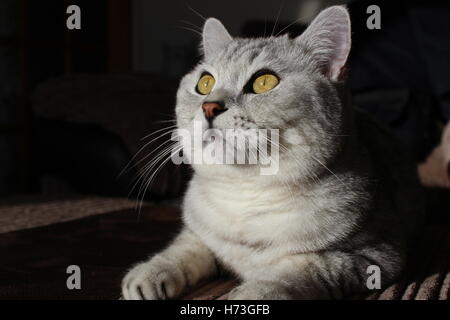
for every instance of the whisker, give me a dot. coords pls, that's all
(165, 121)
(127, 167)
(281, 146)
(190, 29)
(310, 174)
(195, 11)
(155, 132)
(153, 151)
(192, 25)
(289, 25)
(150, 180)
(330, 171)
(155, 172)
(144, 171)
(148, 167)
(278, 16)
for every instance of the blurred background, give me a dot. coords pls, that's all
(74, 104)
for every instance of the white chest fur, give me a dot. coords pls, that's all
(249, 225)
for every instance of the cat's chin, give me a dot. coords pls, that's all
(228, 170)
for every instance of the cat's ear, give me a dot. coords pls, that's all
(328, 40)
(215, 37)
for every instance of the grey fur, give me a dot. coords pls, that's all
(354, 198)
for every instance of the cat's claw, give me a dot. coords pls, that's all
(153, 280)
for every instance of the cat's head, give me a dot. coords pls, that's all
(273, 83)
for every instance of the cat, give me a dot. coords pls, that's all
(344, 197)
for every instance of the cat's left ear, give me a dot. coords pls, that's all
(215, 37)
(328, 40)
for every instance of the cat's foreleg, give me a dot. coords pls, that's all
(167, 274)
(329, 275)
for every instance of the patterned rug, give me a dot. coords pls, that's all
(104, 237)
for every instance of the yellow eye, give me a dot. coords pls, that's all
(265, 83)
(205, 84)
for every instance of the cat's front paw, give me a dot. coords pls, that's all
(259, 290)
(153, 280)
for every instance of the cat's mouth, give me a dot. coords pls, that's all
(213, 135)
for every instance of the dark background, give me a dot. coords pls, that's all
(74, 103)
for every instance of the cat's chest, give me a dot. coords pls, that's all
(236, 219)
(237, 229)
(248, 223)
(236, 209)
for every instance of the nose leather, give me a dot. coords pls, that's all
(212, 109)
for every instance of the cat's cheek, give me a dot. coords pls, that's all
(292, 136)
(199, 124)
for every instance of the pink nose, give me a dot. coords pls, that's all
(212, 109)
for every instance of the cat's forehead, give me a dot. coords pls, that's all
(245, 51)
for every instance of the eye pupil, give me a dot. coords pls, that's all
(205, 84)
(265, 83)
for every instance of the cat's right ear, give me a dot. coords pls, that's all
(328, 41)
(215, 37)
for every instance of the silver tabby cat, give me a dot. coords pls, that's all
(343, 199)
